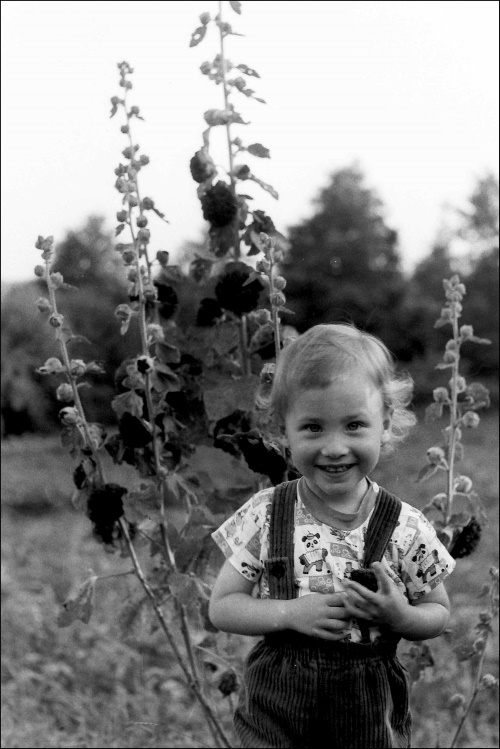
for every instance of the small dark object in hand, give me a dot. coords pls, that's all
(365, 577)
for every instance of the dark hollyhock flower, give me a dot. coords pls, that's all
(133, 431)
(231, 292)
(226, 429)
(105, 508)
(466, 541)
(168, 300)
(260, 458)
(228, 683)
(219, 205)
(208, 312)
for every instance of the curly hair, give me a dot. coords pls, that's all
(324, 351)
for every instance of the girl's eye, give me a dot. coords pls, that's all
(354, 426)
(312, 428)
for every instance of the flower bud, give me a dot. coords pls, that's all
(150, 294)
(155, 333)
(132, 201)
(440, 395)
(488, 681)
(435, 455)
(470, 420)
(279, 283)
(39, 271)
(56, 320)
(64, 393)
(57, 280)
(128, 257)
(479, 644)
(204, 18)
(462, 484)
(69, 416)
(77, 367)
(123, 312)
(277, 299)
(52, 366)
(125, 129)
(451, 345)
(457, 701)
(143, 236)
(122, 216)
(466, 331)
(485, 617)
(263, 266)
(461, 384)
(141, 222)
(43, 304)
(450, 357)
(446, 314)
(143, 159)
(147, 204)
(162, 257)
(261, 316)
(206, 67)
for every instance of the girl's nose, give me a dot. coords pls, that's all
(333, 447)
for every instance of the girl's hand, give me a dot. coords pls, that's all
(319, 615)
(388, 606)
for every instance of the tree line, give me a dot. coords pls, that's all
(343, 264)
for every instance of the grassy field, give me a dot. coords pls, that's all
(113, 682)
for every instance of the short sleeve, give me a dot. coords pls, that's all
(426, 563)
(241, 536)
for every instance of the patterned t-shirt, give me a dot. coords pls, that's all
(324, 556)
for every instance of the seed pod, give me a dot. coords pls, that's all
(440, 395)
(279, 283)
(39, 271)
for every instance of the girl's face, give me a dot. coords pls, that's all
(335, 434)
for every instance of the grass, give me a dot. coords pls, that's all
(113, 682)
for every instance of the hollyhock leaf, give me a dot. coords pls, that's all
(143, 503)
(460, 519)
(167, 354)
(129, 402)
(265, 186)
(197, 36)
(434, 411)
(257, 149)
(248, 71)
(223, 397)
(80, 606)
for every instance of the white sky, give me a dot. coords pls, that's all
(407, 88)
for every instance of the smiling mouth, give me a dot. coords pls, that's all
(336, 469)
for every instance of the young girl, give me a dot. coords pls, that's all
(326, 671)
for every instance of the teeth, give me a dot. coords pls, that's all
(334, 469)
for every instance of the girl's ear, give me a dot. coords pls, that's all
(386, 434)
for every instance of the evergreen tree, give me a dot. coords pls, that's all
(343, 264)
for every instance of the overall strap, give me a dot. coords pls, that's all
(279, 566)
(381, 526)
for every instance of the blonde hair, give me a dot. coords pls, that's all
(324, 351)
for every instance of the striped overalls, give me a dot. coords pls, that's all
(302, 692)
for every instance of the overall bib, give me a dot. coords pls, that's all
(302, 692)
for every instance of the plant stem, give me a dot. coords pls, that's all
(453, 422)
(191, 681)
(228, 128)
(472, 699)
(72, 381)
(242, 328)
